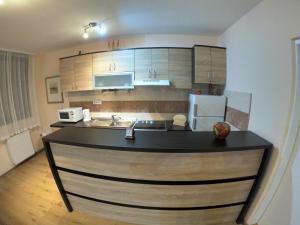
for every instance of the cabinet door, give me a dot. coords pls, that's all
(83, 72)
(102, 63)
(67, 74)
(202, 64)
(142, 64)
(123, 61)
(218, 59)
(180, 68)
(160, 64)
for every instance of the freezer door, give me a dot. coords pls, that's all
(204, 123)
(207, 105)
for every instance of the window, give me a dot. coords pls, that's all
(16, 97)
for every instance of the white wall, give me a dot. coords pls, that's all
(260, 61)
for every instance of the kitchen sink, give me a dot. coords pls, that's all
(107, 123)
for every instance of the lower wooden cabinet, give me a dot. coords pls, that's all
(158, 166)
(217, 216)
(155, 195)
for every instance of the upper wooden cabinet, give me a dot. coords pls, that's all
(210, 65)
(67, 76)
(218, 65)
(76, 73)
(83, 73)
(151, 64)
(113, 62)
(180, 68)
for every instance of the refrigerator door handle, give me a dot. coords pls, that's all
(194, 124)
(195, 109)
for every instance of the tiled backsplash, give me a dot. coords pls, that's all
(238, 108)
(135, 106)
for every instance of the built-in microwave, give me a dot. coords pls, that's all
(122, 80)
(70, 114)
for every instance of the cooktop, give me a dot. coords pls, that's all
(159, 125)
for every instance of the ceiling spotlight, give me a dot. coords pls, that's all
(85, 29)
(1, 2)
(85, 34)
(102, 29)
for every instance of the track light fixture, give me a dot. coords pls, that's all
(100, 26)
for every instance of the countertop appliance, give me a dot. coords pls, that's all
(110, 81)
(205, 111)
(151, 125)
(71, 115)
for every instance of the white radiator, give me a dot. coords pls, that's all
(20, 147)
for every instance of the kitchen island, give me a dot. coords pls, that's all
(178, 177)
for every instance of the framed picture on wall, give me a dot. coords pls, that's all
(54, 93)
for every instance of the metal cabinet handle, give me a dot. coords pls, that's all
(109, 67)
(114, 66)
(155, 73)
(195, 109)
(150, 74)
(194, 124)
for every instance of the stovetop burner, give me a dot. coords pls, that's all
(159, 125)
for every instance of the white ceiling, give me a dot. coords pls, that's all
(40, 25)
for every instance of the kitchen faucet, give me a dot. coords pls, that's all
(115, 119)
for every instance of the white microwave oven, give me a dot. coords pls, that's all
(71, 115)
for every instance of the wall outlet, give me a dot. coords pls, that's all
(97, 102)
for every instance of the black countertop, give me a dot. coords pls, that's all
(169, 124)
(157, 141)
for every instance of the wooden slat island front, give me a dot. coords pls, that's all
(158, 178)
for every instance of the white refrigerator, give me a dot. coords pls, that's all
(205, 111)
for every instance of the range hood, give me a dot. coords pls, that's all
(151, 83)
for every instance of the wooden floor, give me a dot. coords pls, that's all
(29, 196)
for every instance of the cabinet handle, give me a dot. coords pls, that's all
(212, 76)
(114, 66)
(195, 109)
(208, 77)
(155, 73)
(109, 67)
(194, 124)
(150, 73)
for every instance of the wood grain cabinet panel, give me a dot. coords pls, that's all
(218, 65)
(202, 64)
(142, 64)
(156, 217)
(76, 73)
(160, 65)
(209, 65)
(152, 64)
(123, 61)
(67, 74)
(102, 63)
(157, 195)
(180, 68)
(158, 166)
(83, 73)
(113, 62)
